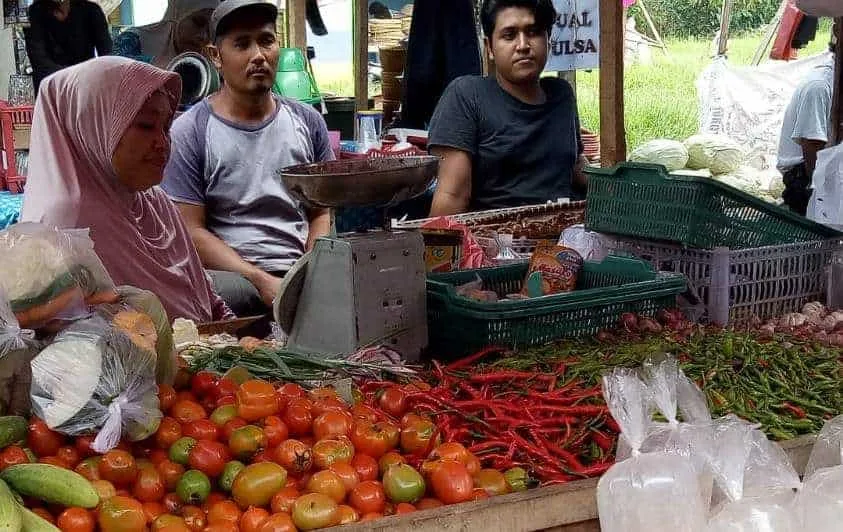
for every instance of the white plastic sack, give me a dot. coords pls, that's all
(91, 378)
(821, 8)
(17, 348)
(590, 245)
(828, 449)
(643, 493)
(820, 501)
(826, 204)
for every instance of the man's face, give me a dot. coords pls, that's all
(247, 57)
(517, 46)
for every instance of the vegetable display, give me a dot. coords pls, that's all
(671, 154)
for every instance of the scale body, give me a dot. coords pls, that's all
(363, 289)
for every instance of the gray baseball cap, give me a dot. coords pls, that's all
(228, 7)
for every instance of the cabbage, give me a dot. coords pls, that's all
(670, 153)
(719, 154)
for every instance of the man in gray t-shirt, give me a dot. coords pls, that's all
(226, 154)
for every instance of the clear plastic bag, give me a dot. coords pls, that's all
(91, 378)
(756, 483)
(820, 502)
(828, 449)
(17, 348)
(51, 275)
(643, 493)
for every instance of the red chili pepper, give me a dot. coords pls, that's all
(594, 470)
(490, 444)
(465, 362)
(501, 376)
(795, 410)
(604, 441)
(565, 455)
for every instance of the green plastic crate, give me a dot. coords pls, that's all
(458, 325)
(644, 201)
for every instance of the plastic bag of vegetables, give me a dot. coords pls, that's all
(719, 154)
(17, 348)
(671, 154)
(51, 276)
(94, 377)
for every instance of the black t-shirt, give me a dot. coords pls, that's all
(522, 154)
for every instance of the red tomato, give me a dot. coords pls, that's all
(149, 486)
(212, 499)
(209, 457)
(347, 473)
(252, 519)
(208, 403)
(119, 468)
(169, 431)
(327, 483)
(158, 455)
(276, 431)
(427, 504)
(347, 514)
(452, 482)
(282, 502)
(390, 459)
(186, 411)
(332, 424)
(278, 523)
(13, 455)
(374, 439)
(361, 412)
(289, 392)
(83, 446)
(45, 515)
(321, 406)
(226, 400)
(327, 452)
(225, 388)
(76, 520)
(224, 512)
(478, 494)
(41, 440)
(170, 473)
(404, 508)
(194, 518)
(222, 527)
(69, 455)
(153, 510)
(256, 400)
(203, 383)
(393, 401)
(366, 467)
(298, 417)
(105, 489)
(54, 461)
(368, 497)
(419, 438)
(166, 397)
(121, 514)
(294, 456)
(201, 429)
(173, 503)
(185, 395)
(231, 425)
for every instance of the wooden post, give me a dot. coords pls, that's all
(836, 136)
(725, 23)
(769, 35)
(297, 24)
(360, 36)
(612, 130)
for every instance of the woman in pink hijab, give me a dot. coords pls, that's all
(100, 140)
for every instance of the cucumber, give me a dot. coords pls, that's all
(12, 430)
(10, 517)
(33, 522)
(51, 484)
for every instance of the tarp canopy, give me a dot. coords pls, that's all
(821, 8)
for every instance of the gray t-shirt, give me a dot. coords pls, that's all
(232, 170)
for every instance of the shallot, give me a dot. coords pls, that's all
(814, 308)
(794, 320)
(649, 325)
(629, 321)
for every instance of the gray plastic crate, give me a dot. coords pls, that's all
(736, 285)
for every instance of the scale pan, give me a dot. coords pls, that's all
(378, 182)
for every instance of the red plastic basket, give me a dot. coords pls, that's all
(9, 118)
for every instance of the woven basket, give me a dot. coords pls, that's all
(392, 58)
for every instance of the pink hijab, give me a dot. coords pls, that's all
(81, 115)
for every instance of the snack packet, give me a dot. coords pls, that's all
(558, 268)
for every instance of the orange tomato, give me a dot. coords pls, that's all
(104, 489)
(279, 522)
(76, 520)
(419, 437)
(282, 502)
(45, 515)
(119, 468)
(374, 516)
(168, 433)
(347, 473)
(366, 467)
(222, 527)
(492, 481)
(393, 401)
(390, 459)
(13, 455)
(224, 512)
(276, 431)
(327, 483)
(194, 518)
(42, 440)
(89, 468)
(427, 504)
(201, 429)
(166, 396)
(374, 439)
(346, 514)
(332, 424)
(252, 519)
(246, 441)
(255, 399)
(327, 452)
(298, 416)
(404, 508)
(368, 497)
(54, 461)
(149, 485)
(121, 514)
(167, 522)
(69, 455)
(153, 510)
(170, 472)
(295, 456)
(478, 494)
(322, 406)
(186, 410)
(452, 482)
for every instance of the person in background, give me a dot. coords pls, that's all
(184, 28)
(227, 151)
(512, 139)
(99, 145)
(805, 131)
(63, 33)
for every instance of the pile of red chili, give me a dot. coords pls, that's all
(558, 431)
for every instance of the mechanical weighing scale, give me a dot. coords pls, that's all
(356, 290)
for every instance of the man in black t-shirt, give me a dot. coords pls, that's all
(512, 139)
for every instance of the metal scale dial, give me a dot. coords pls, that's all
(355, 290)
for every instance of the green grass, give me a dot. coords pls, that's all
(660, 98)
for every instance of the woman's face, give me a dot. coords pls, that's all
(142, 152)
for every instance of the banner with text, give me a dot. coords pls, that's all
(575, 37)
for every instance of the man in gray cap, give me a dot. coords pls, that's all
(226, 152)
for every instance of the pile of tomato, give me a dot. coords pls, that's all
(258, 457)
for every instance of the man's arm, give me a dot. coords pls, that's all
(809, 153)
(320, 225)
(453, 192)
(217, 255)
